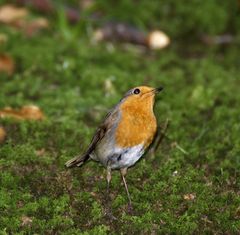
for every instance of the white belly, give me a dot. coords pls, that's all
(127, 157)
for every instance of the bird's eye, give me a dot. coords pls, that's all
(136, 91)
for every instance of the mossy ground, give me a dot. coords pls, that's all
(63, 73)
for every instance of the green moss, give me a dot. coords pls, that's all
(63, 73)
(193, 17)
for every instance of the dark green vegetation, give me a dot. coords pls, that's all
(65, 75)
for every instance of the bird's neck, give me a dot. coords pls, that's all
(145, 107)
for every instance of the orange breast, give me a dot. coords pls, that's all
(137, 126)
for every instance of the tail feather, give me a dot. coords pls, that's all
(77, 161)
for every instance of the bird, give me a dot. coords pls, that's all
(124, 135)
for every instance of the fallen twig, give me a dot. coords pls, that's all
(176, 145)
(218, 40)
(159, 137)
(162, 135)
(125, 33)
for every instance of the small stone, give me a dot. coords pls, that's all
(189, 196)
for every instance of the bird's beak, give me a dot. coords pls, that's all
(157, 90)
(153, 92)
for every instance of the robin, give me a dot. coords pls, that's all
(126, 132)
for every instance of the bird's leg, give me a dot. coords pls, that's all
(109, 177)
(123, 172)
(109, 209)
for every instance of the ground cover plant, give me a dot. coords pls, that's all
(189, 186)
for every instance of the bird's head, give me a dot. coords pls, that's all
(142, 96)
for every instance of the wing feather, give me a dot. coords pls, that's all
(108, 123)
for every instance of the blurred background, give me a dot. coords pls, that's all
(64, 64)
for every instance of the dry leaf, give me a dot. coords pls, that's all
(6, 64)
(26, 221)
(30, 28)
(40, 152)
(189, 197)
(2, 134)
(35, 26)
(10, 14)
(30, 112)
(16, 17)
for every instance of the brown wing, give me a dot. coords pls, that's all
(107, 124)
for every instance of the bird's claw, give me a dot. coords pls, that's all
(110, 216)
(130, 209)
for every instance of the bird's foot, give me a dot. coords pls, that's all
(130, 209)
(110, 215)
